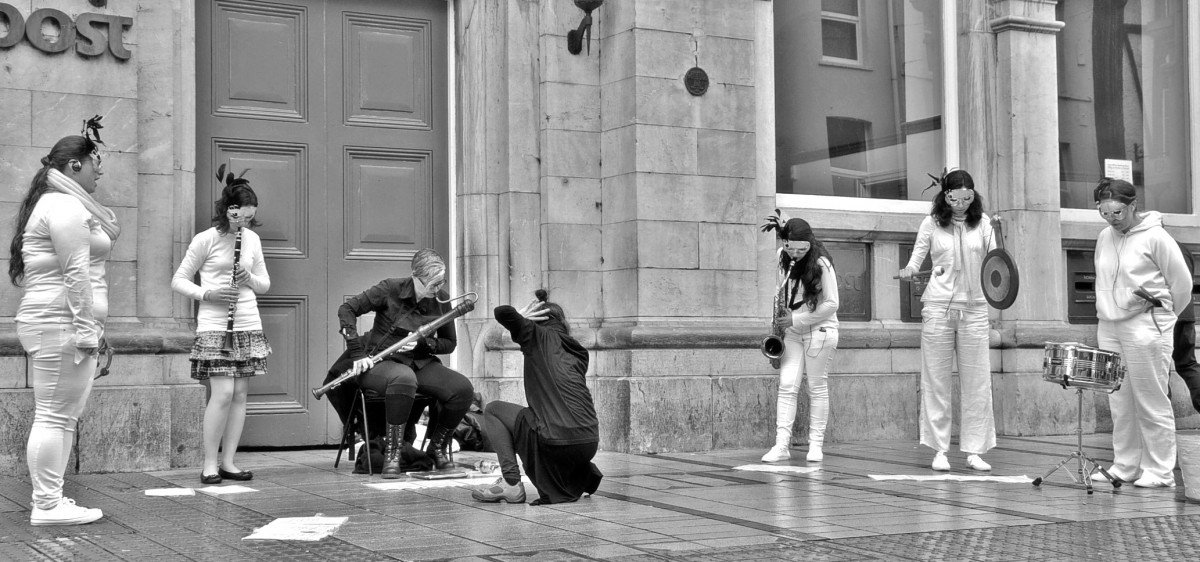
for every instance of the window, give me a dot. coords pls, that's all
(840, 37)
(911, 291)
(1123, 95)
(858, 130)
(852, 263)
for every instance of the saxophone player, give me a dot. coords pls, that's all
(807, 303)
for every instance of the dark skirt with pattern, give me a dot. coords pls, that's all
(248, 358)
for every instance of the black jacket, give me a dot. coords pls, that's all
(559, 401)
(397, 314)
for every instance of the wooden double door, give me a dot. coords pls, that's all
(338, 109)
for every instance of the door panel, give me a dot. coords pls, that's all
(390, 208)
(285, 321)
(338, 111)
(389, 142)
(258, 58)
(389, 75)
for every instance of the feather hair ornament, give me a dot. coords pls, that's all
(775, 222)
(229, 179)
(91, 129)
(938, 182)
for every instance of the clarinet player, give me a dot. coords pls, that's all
(230, 346)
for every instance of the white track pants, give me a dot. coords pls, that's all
(810, 354)
(946, 334)
(1143, 422)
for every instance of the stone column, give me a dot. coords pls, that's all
(1008, 108)
(530, 186)
(1022, 159)
(680, 256)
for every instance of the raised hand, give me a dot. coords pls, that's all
(535, 311)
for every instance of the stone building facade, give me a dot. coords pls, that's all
(597, 175)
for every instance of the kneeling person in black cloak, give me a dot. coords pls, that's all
(557, 435)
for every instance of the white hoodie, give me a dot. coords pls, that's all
(1145, 257)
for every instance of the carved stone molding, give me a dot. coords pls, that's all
(1026, 24)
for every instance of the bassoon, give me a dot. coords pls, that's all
(424, 331)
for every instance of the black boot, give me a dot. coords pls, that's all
(391, 451)
(439, 441)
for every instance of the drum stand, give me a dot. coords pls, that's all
(1081, 476)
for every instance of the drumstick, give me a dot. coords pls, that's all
(1146, 296)
(935, 271)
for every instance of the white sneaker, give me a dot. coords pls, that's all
(777, 453)
(977, 463)
(940, 462)
(814, 453)
(1152, 482)
(500, 491)
(65, 513)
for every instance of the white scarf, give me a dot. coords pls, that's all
(967, 265)
(59, 182)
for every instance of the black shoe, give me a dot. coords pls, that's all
(391, 453)
(210, 478)
(243, 475)
(439, 443)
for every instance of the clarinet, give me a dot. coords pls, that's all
(227, 348)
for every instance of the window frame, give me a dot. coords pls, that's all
(1082, 224)
(886, 214)
(856, 21)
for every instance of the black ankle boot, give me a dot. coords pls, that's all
(391, 451)
(439, 441)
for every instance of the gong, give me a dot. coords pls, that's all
(999, 274)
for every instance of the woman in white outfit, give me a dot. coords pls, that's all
(810, 338)
(59, 251)
(227, 371)
(1135, 255)
(957, 235)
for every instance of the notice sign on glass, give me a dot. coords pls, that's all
(1118, 169)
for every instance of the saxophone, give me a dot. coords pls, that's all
(772, 345)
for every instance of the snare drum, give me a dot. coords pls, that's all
(1075, 364)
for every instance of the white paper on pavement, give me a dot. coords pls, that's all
(164, 492)
(222, 490)
(297, 529)
(1022, 479)
(784, 468)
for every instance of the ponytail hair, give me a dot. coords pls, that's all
(556, 311)
(73, 147)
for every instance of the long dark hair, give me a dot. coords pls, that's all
(808, 272)
(73, 147)
(237, 192)
(942, 213)
(556, 311)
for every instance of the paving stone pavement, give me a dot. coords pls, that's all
(678, 506)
